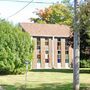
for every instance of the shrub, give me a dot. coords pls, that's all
(16, 46)
(85, 64)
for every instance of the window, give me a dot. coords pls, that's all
(59, 56)
(38, 61)
(38, 47)
(58, 50)
(67, 61)
(66, 51)
(59, 60)
(46, 60)
(46, 41)
(59, 43)
(38, 50)
(46, 50)
(38, 56)
(38, 42)
(66, 47)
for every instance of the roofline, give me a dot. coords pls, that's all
(43, 24)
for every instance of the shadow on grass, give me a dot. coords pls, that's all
(8, 87)
(61, 70)
(53, 70)
(45, 86)
(84, 86)
(53, 86)
(82, 70)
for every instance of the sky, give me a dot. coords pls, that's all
(8, 8)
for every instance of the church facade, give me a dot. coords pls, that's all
(51, 48)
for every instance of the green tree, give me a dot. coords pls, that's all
(84, 31)
(84, 27)
(16, 46)
(54, 14)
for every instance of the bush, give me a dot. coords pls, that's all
(85, 64)
(16, 46)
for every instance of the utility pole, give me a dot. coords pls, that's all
(76, 84)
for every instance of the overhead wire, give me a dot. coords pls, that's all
(20, 9)
(27, 1)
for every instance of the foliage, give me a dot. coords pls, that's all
(84, 26)
(15, 47)
(85, 63)
(54, 14)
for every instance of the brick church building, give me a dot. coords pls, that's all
(51, 49)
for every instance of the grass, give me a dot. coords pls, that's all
(44, 80)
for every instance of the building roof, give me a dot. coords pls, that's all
(46, 30)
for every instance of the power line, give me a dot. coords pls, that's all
(20, 9)
(44, 2)
(28, 2)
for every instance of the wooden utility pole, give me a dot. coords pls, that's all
(76, 84)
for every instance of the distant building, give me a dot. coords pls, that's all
(51, 45)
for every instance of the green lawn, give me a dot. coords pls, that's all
(44, 80)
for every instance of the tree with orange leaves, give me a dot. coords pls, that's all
(54, 14)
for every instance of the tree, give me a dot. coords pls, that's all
(84, 28)
(15, 47)
(84, 31)
(54, 14)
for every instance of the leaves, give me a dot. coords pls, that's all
(84, 17)
(15, 47)
(55, 14)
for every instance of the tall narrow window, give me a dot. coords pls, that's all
(59, 50)
(38, 50)
(66, 51)
(46, 50)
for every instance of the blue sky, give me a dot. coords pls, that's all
(8, 8)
